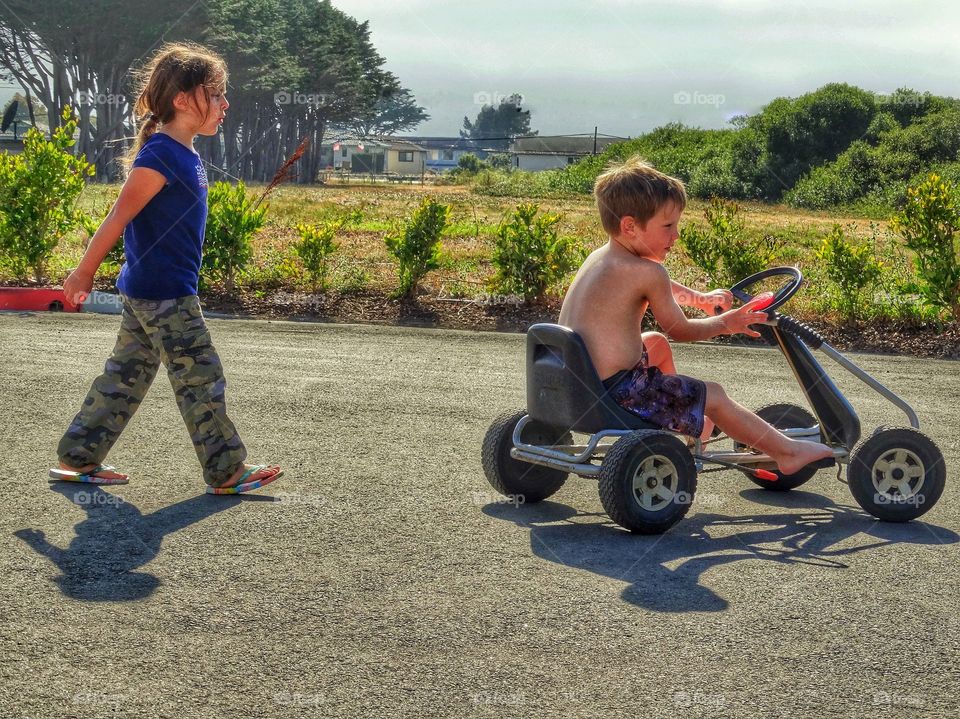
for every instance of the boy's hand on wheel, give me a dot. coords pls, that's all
(738, 321)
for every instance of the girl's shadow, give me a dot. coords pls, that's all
(115, 539)
(663, 572)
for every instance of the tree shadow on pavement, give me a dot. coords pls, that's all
(663, 572)
(115, 539)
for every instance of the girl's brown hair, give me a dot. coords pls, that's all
(175, 68)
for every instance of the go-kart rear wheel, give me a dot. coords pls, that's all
(896, 474)
(527, 483)
(647, 481)
(784, 416)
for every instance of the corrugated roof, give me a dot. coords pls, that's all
(561, 145)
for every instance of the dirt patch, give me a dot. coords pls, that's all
(885, 337)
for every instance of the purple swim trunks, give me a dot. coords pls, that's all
(671, 401)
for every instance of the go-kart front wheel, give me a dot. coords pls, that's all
(647, 481)
(896, 474)
(527, 483)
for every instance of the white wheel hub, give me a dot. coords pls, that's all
(655, 483)
(898, 474)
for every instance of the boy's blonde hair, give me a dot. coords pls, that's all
(634, 189)
(176, 67)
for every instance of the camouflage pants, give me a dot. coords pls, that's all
(153, 331)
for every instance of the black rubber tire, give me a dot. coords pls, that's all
(783, 415)
(886, 506)
(56, 306)
(617, 473)
(524, 482)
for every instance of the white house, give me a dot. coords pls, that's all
(377, 156)
(554, 152)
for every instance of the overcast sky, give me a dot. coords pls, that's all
(631, 65)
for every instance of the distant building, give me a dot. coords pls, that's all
(384, 155)
(444, 153)
(554, 152)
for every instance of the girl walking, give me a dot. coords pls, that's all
(162, 212)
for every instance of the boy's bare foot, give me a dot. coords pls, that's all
(801, 454)
(98, 470)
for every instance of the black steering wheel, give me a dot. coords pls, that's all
(782, 295)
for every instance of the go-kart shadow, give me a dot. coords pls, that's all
(115, 539)
(663, 572)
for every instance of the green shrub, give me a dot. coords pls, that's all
(38, 194)
(233, 219)
(722, 250)
(529, 255)
(416, 245)
(315, 248)
(469, 162)
(851, 269)
(90, 225)
(929, 225)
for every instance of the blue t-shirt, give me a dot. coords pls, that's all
(163, 244)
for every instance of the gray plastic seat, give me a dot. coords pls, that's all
(563, 388)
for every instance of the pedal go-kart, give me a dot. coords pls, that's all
(648, 477)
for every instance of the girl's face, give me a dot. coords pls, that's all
(205, 117)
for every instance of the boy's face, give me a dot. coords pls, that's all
(655, 240)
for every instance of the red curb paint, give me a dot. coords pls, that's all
(35, 299)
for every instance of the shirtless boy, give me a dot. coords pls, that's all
(640, 209)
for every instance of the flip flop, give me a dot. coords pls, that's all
(240, 487)
(93, 476)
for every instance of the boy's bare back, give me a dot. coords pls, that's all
(606, 303)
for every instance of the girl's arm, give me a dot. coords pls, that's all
(141, 186)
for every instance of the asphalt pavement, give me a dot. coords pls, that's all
(382, 577)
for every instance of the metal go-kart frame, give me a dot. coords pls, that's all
(647, 477)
